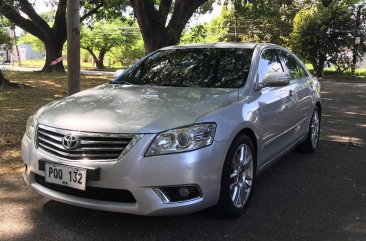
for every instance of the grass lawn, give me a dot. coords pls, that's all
(16, 105)
(39, 63)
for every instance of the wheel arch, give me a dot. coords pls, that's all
(252, 135)
(319, 105)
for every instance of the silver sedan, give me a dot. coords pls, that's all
(184, 129)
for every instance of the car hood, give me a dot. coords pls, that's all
(115, 108)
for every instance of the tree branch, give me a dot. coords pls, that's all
(183, 11)
(26, 24)
(28, 9)
(91, 52)
(60, 17)
(164, 8)
(91, 12)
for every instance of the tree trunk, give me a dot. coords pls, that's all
(53, 51)
(319, 66)
(155, 30)
(3, 81)
(98, 60)
(100, 63)
(320, 70)
(5, 84)
(161, 39)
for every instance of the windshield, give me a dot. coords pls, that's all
(196, 67)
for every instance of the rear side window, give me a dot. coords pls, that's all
(296, 71)
(268, 63)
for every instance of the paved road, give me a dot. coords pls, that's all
(301, 197)
(31, 69)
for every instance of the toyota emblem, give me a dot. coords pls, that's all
(70, 142)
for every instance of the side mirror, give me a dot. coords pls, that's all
(118, 72)
(275, 79)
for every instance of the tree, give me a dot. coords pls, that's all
(260, 20)
(6, 44)
(152, 17)
(248, 21)
(23, 14)
(321, 33)
(103, 36)
(197, 34)
(127, 54)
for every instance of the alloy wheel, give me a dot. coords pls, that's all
(315, 129)
(241, 175)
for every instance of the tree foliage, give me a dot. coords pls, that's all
(248, 21)
(215, 31)
(51, 30)
(127, 54)
(320, 34)
(6, 41)
(99, 39)
(5, 44)
(261, 20)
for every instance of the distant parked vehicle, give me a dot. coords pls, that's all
(185, 128)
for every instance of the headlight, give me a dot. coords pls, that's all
(31, 124)
(183, 139)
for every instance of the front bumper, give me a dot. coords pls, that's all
(139, 175)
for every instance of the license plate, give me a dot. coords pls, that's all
(66, 175)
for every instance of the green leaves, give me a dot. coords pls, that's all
(5, 38)
(320, 34)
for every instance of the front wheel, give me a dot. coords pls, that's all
(237, 179)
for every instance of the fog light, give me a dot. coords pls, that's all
(173, 194)
(183, 192)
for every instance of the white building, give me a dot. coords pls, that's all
(26, 52)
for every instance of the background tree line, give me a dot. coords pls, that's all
(320, 32)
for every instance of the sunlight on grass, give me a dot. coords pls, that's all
(18, 104)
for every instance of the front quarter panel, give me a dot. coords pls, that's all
(232, 119)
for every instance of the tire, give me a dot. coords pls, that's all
(237, 180)
(312, 138)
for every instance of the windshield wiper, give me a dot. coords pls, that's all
(176, 85)
(121, 82)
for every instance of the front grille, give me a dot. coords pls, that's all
(93, 146)
(96, 193)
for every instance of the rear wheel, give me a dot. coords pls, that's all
(237, 179)
(312, 139)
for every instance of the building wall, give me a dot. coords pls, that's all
(26, 52)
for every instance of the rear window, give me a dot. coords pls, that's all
(196, 67)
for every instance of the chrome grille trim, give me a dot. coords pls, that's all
(93, 146)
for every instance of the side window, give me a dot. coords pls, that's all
(268, 63)
(296, 71)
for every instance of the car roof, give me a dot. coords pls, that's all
(219, 45)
